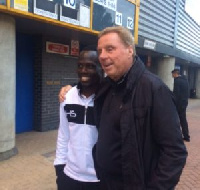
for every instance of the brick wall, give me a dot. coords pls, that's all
(37, 83)
(52, 71)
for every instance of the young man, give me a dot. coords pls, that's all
(77, 132)
(181, 92)
(139, 142)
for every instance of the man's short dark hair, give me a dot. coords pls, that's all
(176, 71)
(92, 47)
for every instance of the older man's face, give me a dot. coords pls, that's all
(114, 56)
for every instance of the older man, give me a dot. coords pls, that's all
(139, 145)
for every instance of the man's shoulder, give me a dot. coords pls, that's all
(73, 90)
(72, 94)
(184, 78)
(181, 80)
(150, 82)
(151, 78)
(104, 85)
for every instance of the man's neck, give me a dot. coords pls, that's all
(87, 91)
(121, 79)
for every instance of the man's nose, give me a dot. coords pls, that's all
(84, 69)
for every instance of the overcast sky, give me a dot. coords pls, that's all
(192, 7)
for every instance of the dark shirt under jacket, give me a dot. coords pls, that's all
(109, 140)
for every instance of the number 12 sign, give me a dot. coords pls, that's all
(130, 23)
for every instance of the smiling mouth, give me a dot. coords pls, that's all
(84, 79)
(107, 66)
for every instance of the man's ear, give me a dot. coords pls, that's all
(130, 51)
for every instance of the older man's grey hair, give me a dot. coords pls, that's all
(123, 33)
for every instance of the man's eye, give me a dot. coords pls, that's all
(86, 66)
(80, 66)
(90, 66)
(99, 51)
(109, 49)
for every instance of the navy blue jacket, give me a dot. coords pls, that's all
(153, 152)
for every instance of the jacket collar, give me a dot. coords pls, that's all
(135, 72)
(131, 77)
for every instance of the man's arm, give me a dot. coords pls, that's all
(62, 142)
(166, 133)
(63, 92)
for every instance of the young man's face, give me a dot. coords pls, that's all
(114, 56)
(87, 69)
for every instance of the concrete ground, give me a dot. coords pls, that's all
(190, 179)
(32, 168)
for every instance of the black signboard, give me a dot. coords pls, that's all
(113, 12)
(47, 8)
(76, 12)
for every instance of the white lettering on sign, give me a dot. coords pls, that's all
(118, 18)
(57, 48)
(101, 2)
(112, 4)
(130, 23)
(70, 3)
(69, 20)
(149, 44)
(45, 13)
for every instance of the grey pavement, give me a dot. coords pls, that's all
(190, 178)
(32, 168)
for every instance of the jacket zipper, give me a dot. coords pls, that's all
(85, 114)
